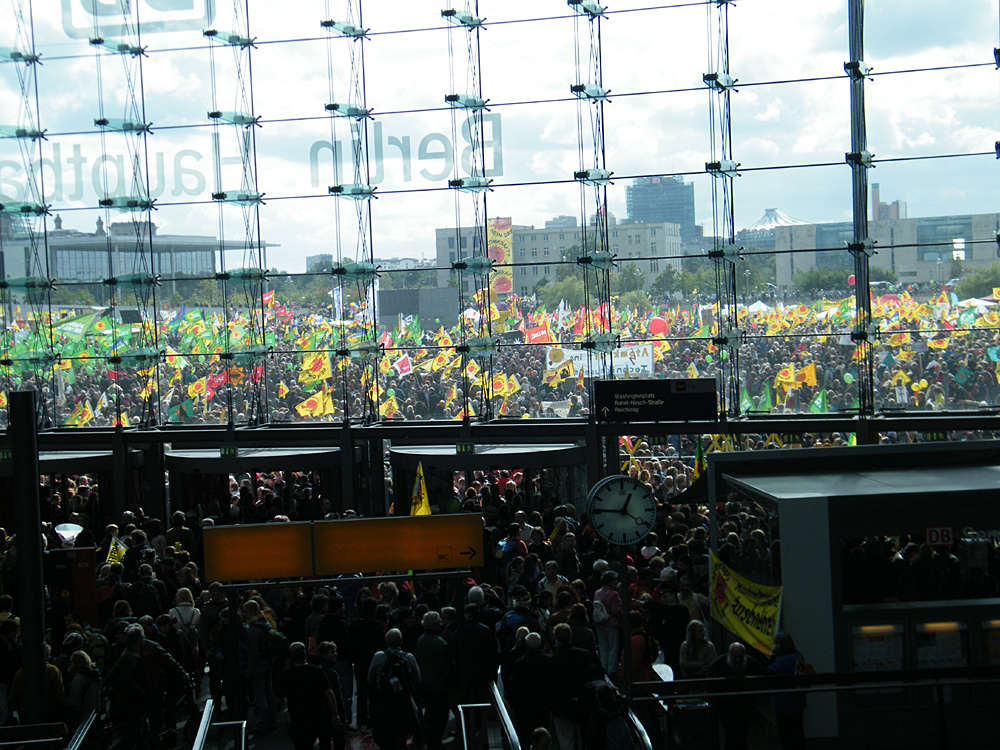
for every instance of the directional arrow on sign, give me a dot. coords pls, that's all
(471, 553)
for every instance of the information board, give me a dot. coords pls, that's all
(263, 552)
(655, 400)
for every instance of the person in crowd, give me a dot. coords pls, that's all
(312, 705)
(696, 653)
(83, 697)
(259, 668)
(327, 652)
(333, 627)
(788, 708)
(609, 629)
(735, 711)
(393, 683)
(434, 659)
(475, 653)
(529, 690)
(569, 670)
(367, 639)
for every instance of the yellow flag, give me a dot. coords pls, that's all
(116, 551)
(420, 504)
(807, 375)
(315, 366)
(312, 406)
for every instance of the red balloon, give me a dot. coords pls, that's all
(658, 327)
(850, 280)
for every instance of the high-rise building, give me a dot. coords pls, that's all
(324, 260)
(883, 211)
(663, 199)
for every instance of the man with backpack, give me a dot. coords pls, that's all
(147, 595)
(508, 548)
(394, 681)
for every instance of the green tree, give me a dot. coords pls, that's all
(635, 300)
(207, 292)
(66, 294)
(701, 279)
(979, 283)
(628, 278)
(817, 278)
(571, 290)
(668, 281)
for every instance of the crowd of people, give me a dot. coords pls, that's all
(933, 353)
(546, 610)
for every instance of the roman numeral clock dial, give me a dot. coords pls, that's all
(622, 510)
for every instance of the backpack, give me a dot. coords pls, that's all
(394, 681)
(275, 642)
(147, 599)
(601, 614)
(802, 667)
(187, 628)
(504, 552)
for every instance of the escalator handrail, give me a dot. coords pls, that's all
(81, 731)
(508, 725)
(638, 730)
(206, 721)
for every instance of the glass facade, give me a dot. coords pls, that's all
(205, 213)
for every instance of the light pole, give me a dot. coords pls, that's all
(746, 288)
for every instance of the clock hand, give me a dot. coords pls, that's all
(624, 510)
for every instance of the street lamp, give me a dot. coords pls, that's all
(746, 292)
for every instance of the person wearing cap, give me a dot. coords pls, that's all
(312, 704)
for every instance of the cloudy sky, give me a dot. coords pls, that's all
(791, 111)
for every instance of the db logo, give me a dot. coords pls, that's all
(83, 19)
(939, 536)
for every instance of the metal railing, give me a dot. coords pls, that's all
(239, 732)
(76, 741)
(926, 696)
(206, 721)
(508, 726)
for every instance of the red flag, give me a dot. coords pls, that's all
(213, 382)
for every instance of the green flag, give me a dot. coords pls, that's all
(746, 403)
(181, 410)
(818, 405)
(75, 328)
(766, 400)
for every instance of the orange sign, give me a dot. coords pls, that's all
(329, 548)
(258, 552)
(380, 545)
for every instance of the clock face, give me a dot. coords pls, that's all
(622, 510)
